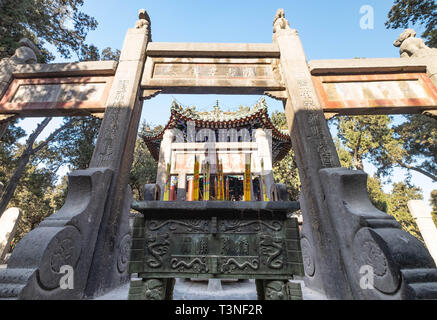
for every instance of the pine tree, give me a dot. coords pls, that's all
(410, 12)
(433, 202)
(59, 23)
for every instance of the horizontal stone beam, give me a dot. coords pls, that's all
(168, 49)
(90, 68)
(361, 66)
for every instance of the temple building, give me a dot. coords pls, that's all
(217, 155)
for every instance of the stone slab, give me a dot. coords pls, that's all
(422, 214)
(211, 75)
(388, 93)
(8, 226)
(89, 68)
(211, 207)
(372, 65)
(57, 96)
(167, 49)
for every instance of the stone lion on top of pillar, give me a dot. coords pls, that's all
(280, 22)
(410, 46)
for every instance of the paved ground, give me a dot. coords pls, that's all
(198, 290)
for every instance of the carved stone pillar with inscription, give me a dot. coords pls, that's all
(314, 149)
(114, 149)
(350, 249)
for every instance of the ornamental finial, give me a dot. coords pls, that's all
(280, 22)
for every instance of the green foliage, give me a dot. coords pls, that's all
(345, 157)
(398, 206)
(418, 152)
(411, 12)
(376, 195)
(144, 166)
(8, 149)
(364, 136)
(59, 23)
(34, 196)
(75, 144)
(409, 145)
(433, 202)
(285, 171)
(91, 53)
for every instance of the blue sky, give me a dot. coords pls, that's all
(328, 30)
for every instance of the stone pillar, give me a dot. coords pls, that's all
(264, 143)
(422, 214)
(164, 159)
(431, 66)
(314, 150)
(8, 226)
(114, 149)
(182, 177)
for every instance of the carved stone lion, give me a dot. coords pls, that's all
(144, 20)
(280, 22)
(410, 46)
(27, 52)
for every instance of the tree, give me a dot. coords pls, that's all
(59, 23)
(398, 206)
(144, 166)
(416, 147)
(433, 202)
(364, 136)
(376, 194)
(29, 150)
(409, 145)
(91, 53)
(423, 12)
(75, 144)
(285, 171)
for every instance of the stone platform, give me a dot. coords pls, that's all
(198, 290)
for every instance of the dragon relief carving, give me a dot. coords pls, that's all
(271, 250)
(157, 247)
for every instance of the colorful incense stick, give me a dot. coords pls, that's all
(196, 180)
(247, 179)
(206, 180)
(263, 182)
(167, 183)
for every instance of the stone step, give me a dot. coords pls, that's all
(419, 275)
(425, 290)
(15, 276)
(8, 291)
